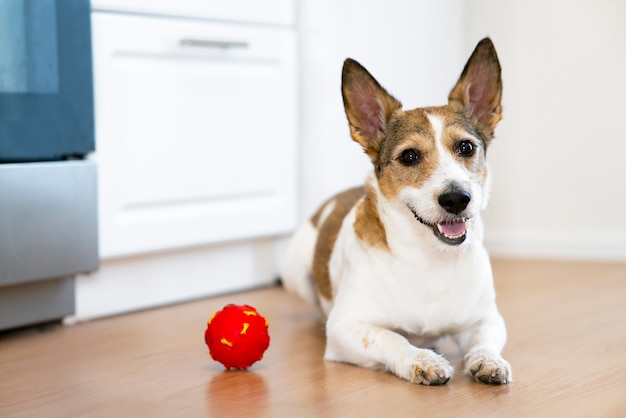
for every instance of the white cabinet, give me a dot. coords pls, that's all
(195, 129)
(196, 124)
(275, 12)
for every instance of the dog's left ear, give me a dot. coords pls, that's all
(479, 89)
(368, 106)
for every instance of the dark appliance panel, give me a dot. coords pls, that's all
(48, 208)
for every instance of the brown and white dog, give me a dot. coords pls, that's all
(399, 263)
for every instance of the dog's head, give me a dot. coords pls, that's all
(430, 161)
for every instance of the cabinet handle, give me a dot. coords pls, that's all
(207, 43)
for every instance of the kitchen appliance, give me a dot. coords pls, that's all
(48, 208)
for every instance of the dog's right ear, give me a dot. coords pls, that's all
(368, 106)
(479, 89)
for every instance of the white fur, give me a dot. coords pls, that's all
(299, 258)
(420, 287)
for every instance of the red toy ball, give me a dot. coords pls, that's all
(237, 336)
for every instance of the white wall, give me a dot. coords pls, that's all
(413, 48)
(558, 187)
(558, 161)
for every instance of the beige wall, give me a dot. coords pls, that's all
(559, 162)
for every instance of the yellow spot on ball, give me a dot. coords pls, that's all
(245, 328)
(211, 318)
(226, 342)
(250, 313)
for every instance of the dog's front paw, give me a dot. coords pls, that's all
(430, 368)
(488, 367)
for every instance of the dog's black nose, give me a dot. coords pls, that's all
(454, 202)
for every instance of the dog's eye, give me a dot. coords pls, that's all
(465, 148)
(409, 157)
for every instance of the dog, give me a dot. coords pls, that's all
(398, 264)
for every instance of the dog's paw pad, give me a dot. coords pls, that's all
(430, 369)
(488, 368)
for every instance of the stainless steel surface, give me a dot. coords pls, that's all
(35, 302)
(48, 233)
(48, 220)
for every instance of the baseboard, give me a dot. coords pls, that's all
(136, 283)
(556, 246)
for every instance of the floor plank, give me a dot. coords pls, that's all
(567, 346)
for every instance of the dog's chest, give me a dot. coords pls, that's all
(418, 291)
(430, 296)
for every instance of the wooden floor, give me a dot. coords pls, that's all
(567, 347)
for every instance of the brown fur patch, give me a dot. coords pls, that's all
(367, 225)
(410, 131)
(366, 342)
(327, 235)
(455, 129)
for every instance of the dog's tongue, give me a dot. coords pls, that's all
(452, 229)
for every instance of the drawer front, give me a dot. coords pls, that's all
(48, 220)
(279, 12)
(196, 131)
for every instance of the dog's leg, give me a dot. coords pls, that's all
(370, 346)
(295, 272)
(481, 347)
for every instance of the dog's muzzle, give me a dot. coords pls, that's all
(452, 230)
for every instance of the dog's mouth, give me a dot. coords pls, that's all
(451, 232)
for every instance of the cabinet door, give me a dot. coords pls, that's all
(195, 132)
